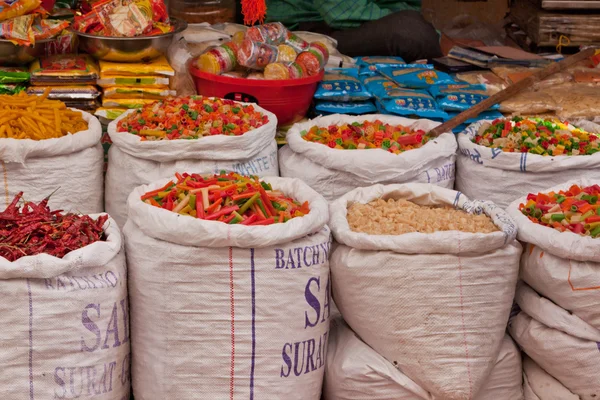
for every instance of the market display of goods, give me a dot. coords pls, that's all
(546, 137)
(270, 48)
(125, 18)
(396, 217)
(192, 117)
(367, 135)
(35, 229)
(35, 117)
(575, 210)
(24, 22)
(226, 197)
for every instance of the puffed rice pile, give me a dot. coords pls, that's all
(395, 217)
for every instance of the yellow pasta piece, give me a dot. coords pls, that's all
(35, 117)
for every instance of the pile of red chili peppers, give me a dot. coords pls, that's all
(34, 229)
(575, 210)
(226, 197)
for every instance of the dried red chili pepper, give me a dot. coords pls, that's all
(34, 229)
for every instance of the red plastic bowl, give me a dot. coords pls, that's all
(288, 99)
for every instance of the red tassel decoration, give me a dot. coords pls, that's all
(254, 11)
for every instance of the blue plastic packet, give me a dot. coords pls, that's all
(378, 85)
(354, 108)
(417, 78)
(459, 97)
(409, 102)
(370, 65)
(341, 84)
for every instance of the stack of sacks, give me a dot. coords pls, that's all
(67, 77)
(558, 325)
(426, 278)
(132, 85)
(13, 80)
(341, 92)
(356, 371)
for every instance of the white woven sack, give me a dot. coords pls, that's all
(561, 343)
(356, 371)
(434, 304)
(562, 266)
(491, 174)
(539, 385)
(224, 311)
(69, 168)
(132, 162)
(334, 172)
(65, 324)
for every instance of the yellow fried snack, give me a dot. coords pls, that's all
(35, 117)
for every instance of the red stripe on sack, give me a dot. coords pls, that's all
(462, 311)
(231, 295)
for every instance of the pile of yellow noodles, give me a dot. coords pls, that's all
(35, 117)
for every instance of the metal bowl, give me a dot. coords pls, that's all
(15, 55)
(125, 49)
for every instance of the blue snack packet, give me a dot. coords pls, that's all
(341, 84)
(407, 102)
(417, 77)
(459, 97)
(353, 108)
(378, 85)
(370, 65)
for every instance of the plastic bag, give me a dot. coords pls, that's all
(492, 82)
(13, 75)
(352, 108)
(180, 56)
(460, 97)
(417, 78)
(158, 66)
(370, 65)
(379, 85)
(11, 88)
(575, 100)
(129, 92)
(158, 82)
(18, 30)
(88, 92)
(529, 102)
(407, 102)
(17, 8)
(125, 103)
(342, 85)
(47, 28)
(64, 69)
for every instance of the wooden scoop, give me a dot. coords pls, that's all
(511, 91)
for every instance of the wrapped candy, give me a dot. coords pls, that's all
(277, 71)
(314, 59)
(273, 33)
(296, 42)
(296, 70)
(286, 54)
(219, 59)
(256, 55)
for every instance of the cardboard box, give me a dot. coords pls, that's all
(441, 12)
